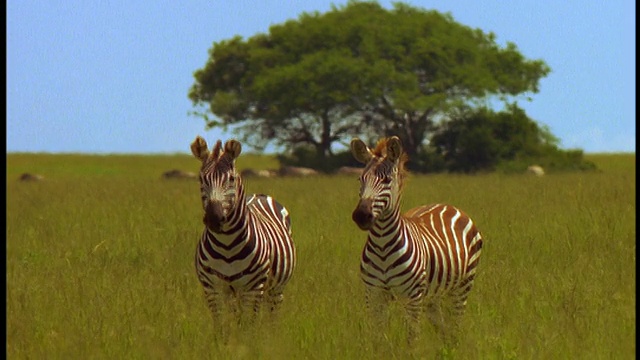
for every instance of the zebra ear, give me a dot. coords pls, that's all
(394, 148)
(360, 151)
(199, 149)
(233, 148)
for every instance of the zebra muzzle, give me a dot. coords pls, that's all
(214, 216)
(363, 214)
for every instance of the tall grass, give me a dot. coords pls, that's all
(100, 264)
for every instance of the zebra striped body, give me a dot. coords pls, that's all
(246, 251)
(422, 257)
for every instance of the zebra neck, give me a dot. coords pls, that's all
(235, 229)
(385, 228)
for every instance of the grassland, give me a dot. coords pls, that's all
(100, 264)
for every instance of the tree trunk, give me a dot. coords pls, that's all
(412, 129)
(324, 150)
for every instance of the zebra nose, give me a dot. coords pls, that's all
(362, 215)
(213, 215)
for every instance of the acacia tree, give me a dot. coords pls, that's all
(357, 70)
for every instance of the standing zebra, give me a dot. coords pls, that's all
(427, 255)
(246, 252)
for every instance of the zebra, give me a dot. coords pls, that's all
(246, 252)
(424, 257)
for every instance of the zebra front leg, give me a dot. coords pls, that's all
(377, 305)
(212, 297)
(221, 323)
(250, 304)
(273, 300)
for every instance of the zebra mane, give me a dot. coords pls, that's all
(381, 151)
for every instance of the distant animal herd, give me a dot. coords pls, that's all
(285, 171)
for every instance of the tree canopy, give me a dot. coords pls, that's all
(356, 70)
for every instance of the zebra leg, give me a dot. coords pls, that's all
(436, 317)
(413, 319)
(250, 303)
(275, 300)
(455, 314)
(212, 298)
(377, 302)
(215, 301)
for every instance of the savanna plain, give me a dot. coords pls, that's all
(100, 264)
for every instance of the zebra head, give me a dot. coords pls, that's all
(381, 180)
(220, 185)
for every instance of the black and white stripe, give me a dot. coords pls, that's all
(246, 251)
(422, 257)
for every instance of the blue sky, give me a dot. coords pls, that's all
(113, 76)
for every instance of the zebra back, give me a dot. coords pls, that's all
(452, 240)
(272, 219)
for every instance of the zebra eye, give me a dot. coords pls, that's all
(232, 178)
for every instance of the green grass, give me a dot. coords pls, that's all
(100, 264)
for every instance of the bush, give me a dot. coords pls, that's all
(482, 140)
